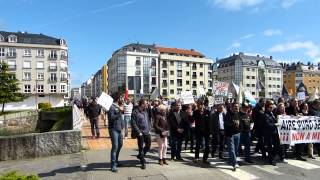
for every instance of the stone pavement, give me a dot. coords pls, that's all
(96, 166)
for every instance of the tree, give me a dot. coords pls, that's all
(9, 87)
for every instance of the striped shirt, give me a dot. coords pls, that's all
(128, 109)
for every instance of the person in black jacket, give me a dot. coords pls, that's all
(217, 130)
(202, 129)
(271, 133)
(293, 110)
(315, 111)
(178, 126)
(94, 111)
(115, 126)
(245, 127)
(141, 127)
(257, 116)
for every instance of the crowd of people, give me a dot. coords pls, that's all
(203, 129)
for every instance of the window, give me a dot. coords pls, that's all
(2, 52)
(53, 54)
(253, 70)
(248, 85)
(179, 91)
(171, 91)
(171, 82)
(138, 71)
(164, 92)
(188, 73)
(179, 65)
(201, 65)
(278, 72)
(40, 88)
(253, 77)
(40, 76)
(171, 63)
(201, 82)
(138, 61)
(53, 77)
(270, 78)
(253, 85)
(12, 38)
(40, 65)
(53, 66)
(63, 42)
(179, 82)
(269, 71)
(62, 88)
(154, 80)
(187, 82)
(210, 83)
(194, 66)
(194, 92)
(171, 72)
(27, 88)
(27, 52)
(63, 76)
(248, 69)
(253, 93)
(274, 86)
(179, 73)
(27, 64)
(40, 53)
(269, 86)
(201, 74)
(12, 52)
(187, 65)
(248, 77)
(63, 65)
(153, 71)
(278, 86)
(278, 79)
(153, 62)
(53, 88)
(1, 38)
(26, 76)
(63, 54)
(11, 64)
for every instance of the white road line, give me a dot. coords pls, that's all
(301, 164)
(269, 169)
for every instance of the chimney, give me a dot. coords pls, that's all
(258, 55)
(271, 57)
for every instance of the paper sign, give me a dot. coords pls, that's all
(220, 88)
(301, 96)
(187, 97)
(229, 95)
(218, 100)
(211, 101)
(105, 100)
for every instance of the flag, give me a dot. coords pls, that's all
(155, 94)
(126, 95)
(248, 96)
(284, 92)
(302, 88)
(259, 85)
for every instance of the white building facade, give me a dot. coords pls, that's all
(40, 63)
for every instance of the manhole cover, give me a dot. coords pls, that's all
(152, 177)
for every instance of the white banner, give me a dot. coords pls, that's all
(105, 100)
(211, 101)
(218, 100)
(299, 129)
(187, 97)
(76, 118)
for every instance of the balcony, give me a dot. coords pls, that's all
(164, 75)
(26, 79)
(52, 68)
(11, 55)
(12, 67)
(63, 57)
(52, 57)
(63, 79)
(63, 69)
(52, 80)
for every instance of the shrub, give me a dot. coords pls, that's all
(63, 115)
(14, 175)
(44, 106)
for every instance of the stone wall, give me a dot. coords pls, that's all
(20, 122)
(40, 144)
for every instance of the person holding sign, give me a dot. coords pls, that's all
(271, 133)
(115, 126)
(315, 111)
(304, 110)
(161, 127)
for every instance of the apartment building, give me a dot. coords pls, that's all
(40, 63)
(297, 73)
(135, 67)
(183, 70)
(262, 76)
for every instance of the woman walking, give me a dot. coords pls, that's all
(162, 131)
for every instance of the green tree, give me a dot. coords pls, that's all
(9, 87)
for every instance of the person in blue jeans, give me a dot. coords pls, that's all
(115, 126)
(232, 133)
(246, 123)
(128, 106)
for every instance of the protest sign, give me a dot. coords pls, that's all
(220, 88)
(211, 101)
(218, 100)
(299, 129)
(187, 97)
(301, 96)
(201, 91)
(105, 100)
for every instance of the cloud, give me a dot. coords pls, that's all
(311, 49)
(235, 5)
(272, 32)
(288, 3)
(248, 36)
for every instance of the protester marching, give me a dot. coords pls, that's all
(223, 124)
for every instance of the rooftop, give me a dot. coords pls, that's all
(27, 38)
(176, 51)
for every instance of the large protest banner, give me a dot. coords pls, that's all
(220, 88)
(187, 97)
(299, 129)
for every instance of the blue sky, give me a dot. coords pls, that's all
(289, 30)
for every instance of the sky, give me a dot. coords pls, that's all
(288, 30)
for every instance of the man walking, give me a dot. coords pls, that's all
(217, 130)
(141, 126)
(94, 111)
(115, 126)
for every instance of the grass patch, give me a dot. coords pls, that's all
(15, 175)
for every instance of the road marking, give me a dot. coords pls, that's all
(301, 164)
(268, 169)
